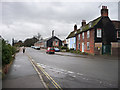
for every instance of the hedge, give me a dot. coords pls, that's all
(7, 52)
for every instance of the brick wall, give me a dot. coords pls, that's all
(85, 40)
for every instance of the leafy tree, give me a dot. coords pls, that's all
(30, 42)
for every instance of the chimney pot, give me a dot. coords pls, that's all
(83, 22)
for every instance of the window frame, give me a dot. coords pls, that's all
(99, 34)
(79, 37)
(118, 34)
(88, 45)
(88, 34)
(78, 46)
(56, 43)
(83, 35)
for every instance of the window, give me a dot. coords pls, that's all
(83, 35)
(88, 34)
(56, 43)
(78, 45)
(79, 37)
(90, 24)
(88, 46)
(81, 29)
(75, 32)
(118, 34)
(99, 31)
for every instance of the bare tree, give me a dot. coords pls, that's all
(38, 36)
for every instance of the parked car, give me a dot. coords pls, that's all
(32, 46)
(57, 49)
(37, 48)
(50, 50)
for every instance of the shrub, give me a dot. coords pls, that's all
(63, 47)
(71, 48)
(7, 52)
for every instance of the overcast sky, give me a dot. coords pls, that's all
(21, 20)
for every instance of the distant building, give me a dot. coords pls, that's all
(49, 42)
(72, 39)
(65, 43)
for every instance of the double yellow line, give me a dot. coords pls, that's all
(50, 78)
(45, 73)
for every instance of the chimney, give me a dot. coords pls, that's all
(52, 33)
(75, 27)
(83, 22)
(104, 11)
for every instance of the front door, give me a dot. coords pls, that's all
(82, 47)
(106, 49)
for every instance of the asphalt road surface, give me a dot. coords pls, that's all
(77, 72)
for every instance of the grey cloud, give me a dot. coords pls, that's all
(29, 18)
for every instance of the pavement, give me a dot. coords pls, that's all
(22, 74)
(86, 56)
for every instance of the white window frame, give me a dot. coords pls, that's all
(88, 34)
(118, 36)
(99, 33)
(78, 36)
(88, 45)
(90, 24)
(83, 35)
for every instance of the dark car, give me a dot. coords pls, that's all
(50, 50)
(57, 49)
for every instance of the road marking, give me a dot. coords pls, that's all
(45, 73)
(37, 72)
(50, 78)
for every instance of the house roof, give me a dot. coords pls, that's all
(41, 41)
(72, 34)
(116, 24)
(85, 28)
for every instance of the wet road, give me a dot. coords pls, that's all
(76, 72)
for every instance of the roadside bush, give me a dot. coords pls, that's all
(71, 48)
(7, 52)
(63, 47)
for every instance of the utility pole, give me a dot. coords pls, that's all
(12, 41)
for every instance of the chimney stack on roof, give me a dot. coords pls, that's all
(83, 22)
(75, 27)
(52, 33)
(104, 11)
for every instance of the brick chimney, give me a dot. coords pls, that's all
(104, 11)
(75, 27)
(83, 22)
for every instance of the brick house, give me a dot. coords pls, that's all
(54, 42)
(39, 43)
(97, 36)
(49, 42)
